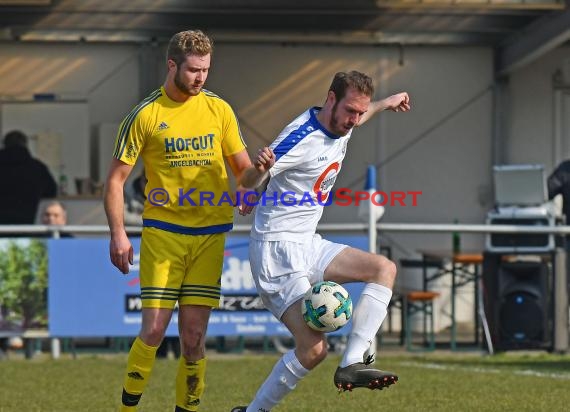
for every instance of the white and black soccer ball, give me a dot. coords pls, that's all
(327, 306)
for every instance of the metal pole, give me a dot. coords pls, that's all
(370, 354)
(372, 238)
(483, 316)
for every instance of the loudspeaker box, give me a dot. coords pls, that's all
(518, 302)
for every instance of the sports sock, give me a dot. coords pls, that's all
(282, 380)
(139, 365)
(367, 318)
(190, 383)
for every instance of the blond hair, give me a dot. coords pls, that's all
(188, 42)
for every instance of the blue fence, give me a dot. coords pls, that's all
(88, 297)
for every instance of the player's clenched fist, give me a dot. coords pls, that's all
(264, 160)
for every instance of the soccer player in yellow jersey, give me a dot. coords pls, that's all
(183, 133)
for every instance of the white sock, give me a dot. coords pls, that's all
(366, 320)
(282, 380)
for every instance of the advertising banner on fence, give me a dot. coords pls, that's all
(23, 282)
(90, 297)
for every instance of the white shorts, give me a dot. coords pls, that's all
(283, 271)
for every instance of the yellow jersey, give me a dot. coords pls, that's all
(183, 146)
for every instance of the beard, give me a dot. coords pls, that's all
(336, 127)
(183, 87)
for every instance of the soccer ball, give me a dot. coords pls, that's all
(327, 306)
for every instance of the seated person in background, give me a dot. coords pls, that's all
(23, 181)
(134, 200)
(54, 214)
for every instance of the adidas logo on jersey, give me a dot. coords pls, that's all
(162, 126)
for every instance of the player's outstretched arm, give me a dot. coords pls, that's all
(399, 102)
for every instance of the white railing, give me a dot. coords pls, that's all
(325, 227)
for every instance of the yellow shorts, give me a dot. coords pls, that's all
(180, 268)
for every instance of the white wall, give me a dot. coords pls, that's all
(531, 121)
(106, 77)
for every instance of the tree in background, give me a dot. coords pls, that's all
(23, 281)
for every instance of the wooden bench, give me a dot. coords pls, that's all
(419, 302)
(414, 303)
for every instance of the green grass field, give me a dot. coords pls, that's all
(432, 382)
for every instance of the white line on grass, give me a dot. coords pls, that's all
(525, 372)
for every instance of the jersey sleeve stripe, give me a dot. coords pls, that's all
(210, 94)
(292, 139)
(239, 130)
(127, 123)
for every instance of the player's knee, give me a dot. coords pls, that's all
(152, 335)
(318, 352)
(391, 269)
(385, 271)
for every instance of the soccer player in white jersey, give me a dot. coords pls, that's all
(287, 256)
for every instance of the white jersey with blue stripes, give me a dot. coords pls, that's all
(308, 160)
